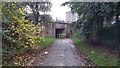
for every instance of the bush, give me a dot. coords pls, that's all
(19, 34)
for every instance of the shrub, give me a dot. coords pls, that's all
(19, 34)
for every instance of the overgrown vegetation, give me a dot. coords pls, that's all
(92, 18)
(25, 58)
(97, 57)
(19, 34)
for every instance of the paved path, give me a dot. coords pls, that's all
(62, 53)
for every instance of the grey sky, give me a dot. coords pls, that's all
(57, 10)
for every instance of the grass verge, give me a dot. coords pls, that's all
(97, 57)
(47, 40)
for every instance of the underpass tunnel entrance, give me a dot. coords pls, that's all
(59, 32)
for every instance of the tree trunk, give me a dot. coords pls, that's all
(116, 30)
(36, 13)
(117, 24)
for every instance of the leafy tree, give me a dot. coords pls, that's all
(0, 13)
(45, 19)
(37, 8)
(92, 15)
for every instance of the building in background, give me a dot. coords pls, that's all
(71, 17)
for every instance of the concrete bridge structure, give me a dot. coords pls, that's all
(56, 28)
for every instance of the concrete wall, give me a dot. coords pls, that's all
(51, 28)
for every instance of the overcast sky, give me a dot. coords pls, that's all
(57, 10)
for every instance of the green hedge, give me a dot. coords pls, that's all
(108, 36)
